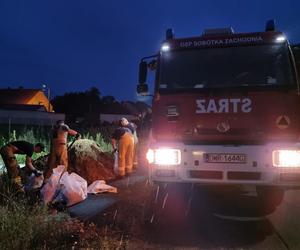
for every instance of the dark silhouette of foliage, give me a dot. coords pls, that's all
(89, 105)
(78, 103)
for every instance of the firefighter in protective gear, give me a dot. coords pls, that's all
(123, 140)
(125, 123)
(13, 170)
(58, 150)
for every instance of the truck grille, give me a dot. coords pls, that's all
(290, 177)
(234, 175)
(203, 174)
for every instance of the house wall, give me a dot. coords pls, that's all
(40, 99)
(115, 117)
(29, 117)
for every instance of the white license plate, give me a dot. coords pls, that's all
(225, 158)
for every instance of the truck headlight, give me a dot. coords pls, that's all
(286, 158)
(164, 156)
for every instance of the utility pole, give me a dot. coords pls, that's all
(48, 92)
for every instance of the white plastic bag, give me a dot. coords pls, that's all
(116, 164)
(135, 138)
(73, 188)
(100, 187)
(49, 189)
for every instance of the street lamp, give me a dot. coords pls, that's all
(48, 94)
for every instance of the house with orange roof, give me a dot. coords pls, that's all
(27, 107)
(26, 98)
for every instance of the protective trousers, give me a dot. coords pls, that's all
(125, 154)
(58, 156)
(11, 165)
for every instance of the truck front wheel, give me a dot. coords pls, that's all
(270, 197)
(167, 204)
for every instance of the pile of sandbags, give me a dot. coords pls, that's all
(66, 189)
(88, 160)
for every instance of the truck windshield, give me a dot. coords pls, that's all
(260, 65)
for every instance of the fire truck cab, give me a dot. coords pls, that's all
(226, 111)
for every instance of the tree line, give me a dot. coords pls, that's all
(91, 103)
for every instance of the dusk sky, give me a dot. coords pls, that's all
(74, 45)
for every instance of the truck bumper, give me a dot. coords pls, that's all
(257, 169)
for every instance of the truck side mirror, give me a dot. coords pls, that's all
(296, 54)
(142, 89)
(143, 72)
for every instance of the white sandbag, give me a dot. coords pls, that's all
(73, 188)
(100, 187)
(116, 163)
(49, 189)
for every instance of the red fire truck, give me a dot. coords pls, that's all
(226, 112)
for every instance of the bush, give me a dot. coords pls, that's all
(24, 227)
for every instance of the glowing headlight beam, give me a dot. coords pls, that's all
(150, 156)
(286, 158)
(164, 156)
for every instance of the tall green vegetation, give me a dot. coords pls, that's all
(99, 139)
(33, 135)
